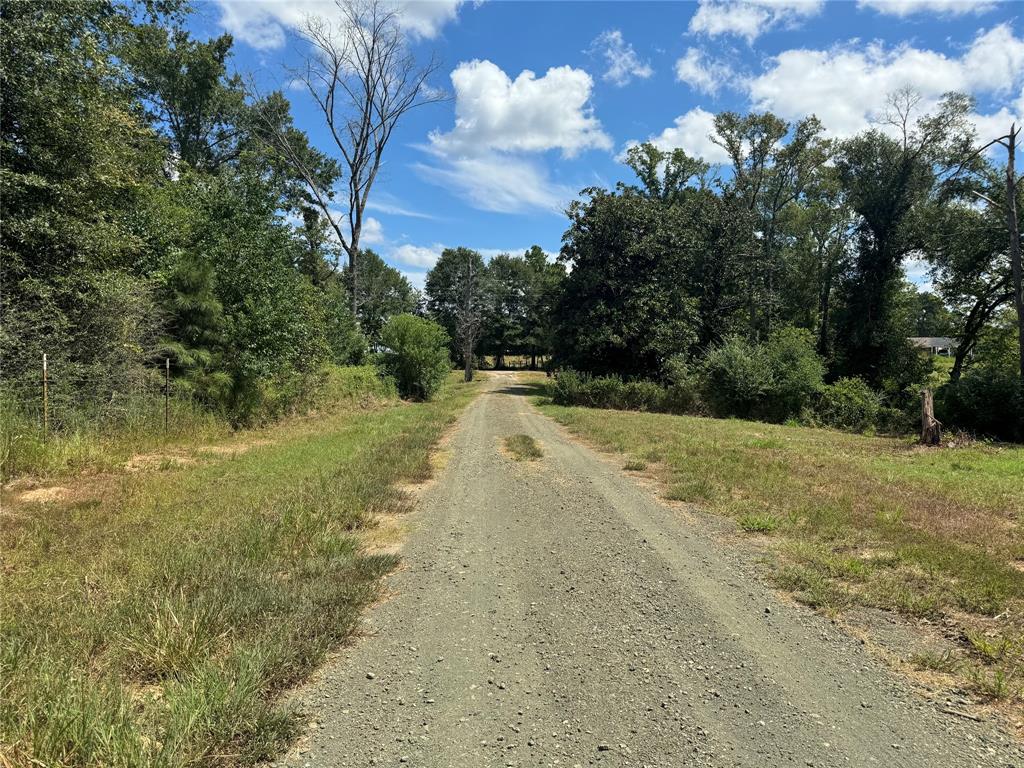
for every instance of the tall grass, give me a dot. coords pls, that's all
(156, 621)
(101, 437)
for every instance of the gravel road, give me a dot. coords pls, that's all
(552, 613)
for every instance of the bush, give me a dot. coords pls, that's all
(642, 396)
(986, 400)
(568, 387)
(603, 392)
(735, 377)
(796, 373)
(849, 403)
(415, 355)
(683, 387)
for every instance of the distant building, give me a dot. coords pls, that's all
(935, 345)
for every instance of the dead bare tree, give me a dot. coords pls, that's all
(1009, 209)
(364, 79)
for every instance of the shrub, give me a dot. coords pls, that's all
(603, 392)
(735, 377)
(568, 387)
(987, 400)
(642, 396)
(849, 403)
(796, 373)
(415, 355)
(682, 387)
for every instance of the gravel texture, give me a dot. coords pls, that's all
(552, 613)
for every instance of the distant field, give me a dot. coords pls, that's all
(152, 616)
(856, 520)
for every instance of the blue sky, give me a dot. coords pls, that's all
(547, 94)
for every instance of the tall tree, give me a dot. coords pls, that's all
(364, 80)
(385, 293)
(888, 176)
(456, 300)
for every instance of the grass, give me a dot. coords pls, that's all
(155, 617)
(856, 520)
(103, 440)
(523, 447)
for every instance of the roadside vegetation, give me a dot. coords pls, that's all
(856, 520)
(156, 617)
(523, 447)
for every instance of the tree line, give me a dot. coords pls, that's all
(156, 206)
(801, 231)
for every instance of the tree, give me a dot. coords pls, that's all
(364, 80)
(887, 180)
(544, 283)
(505, 296)
(385, 293)
(455, 299)
(768, 175)
(415, 354)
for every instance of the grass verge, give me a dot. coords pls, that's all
(157, 624)
(857, 520)
(523, 447)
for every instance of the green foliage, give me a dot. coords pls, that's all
(415, 354)
(848, 403)
(682, 387)
(736, 376)
(797, 373)
(987, 400)
(383, 293)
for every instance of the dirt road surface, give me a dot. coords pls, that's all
(553, 613)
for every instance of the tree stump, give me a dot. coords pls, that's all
(931, 428)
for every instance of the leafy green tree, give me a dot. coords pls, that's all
(506, 292)
(383, 293)
(888, 181)
(415, 354)
(455, 289)
(543, 285)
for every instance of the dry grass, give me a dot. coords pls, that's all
(857, 520)
(523, 448)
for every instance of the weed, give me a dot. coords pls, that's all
(523, 447)
(635, 465)
(931, 661)
(755, 523)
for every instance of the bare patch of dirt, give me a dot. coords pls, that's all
(45, 495)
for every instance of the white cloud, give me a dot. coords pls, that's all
(498, 182)
(623, 63)
(385, 203)
(421, 256)
(372, 232)
(264, 23)
(847, 86)
(691, 133)
(499, 122)
(701, 73)
(530, 113)
(750, 18)
(903, 8)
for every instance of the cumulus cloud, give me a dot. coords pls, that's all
(372, 232)
(903, 8)
(264, 23)
(691, 132)
(702, 73)
(530, 113)
(750, 18)
(418, 256)
(847, 86)
(622, 60)
(500, 123)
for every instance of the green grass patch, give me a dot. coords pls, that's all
(635, 465)
(857, 519)
(523, 447)
(158, 622)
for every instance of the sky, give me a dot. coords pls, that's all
(545, 96)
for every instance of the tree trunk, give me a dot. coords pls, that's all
(931, 429)
(1014, 227)
(468, 371)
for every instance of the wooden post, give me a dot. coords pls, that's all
(931, 428)
(46, 400)
(167, 389)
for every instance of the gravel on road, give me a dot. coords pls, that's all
(552, 613)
